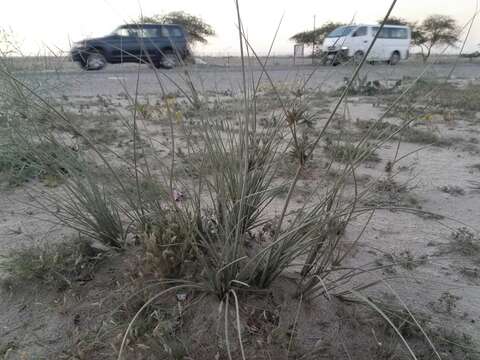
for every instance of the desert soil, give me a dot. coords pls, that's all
(33, 321)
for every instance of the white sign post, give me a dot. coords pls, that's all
(298, 51)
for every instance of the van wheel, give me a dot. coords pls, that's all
(95, 61)
(395, 58)
(358, 57)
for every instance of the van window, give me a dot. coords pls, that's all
(391, 33)
(361, 31)
(341, 31)
(398, 33)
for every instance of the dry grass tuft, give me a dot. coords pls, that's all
(350, 153)
(57, 265)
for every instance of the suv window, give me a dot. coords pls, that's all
(361, 31)
(171, 31)
(175, 32)
(143, 32)
(149, 32)
(122, 32)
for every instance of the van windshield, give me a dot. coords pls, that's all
(341, 31)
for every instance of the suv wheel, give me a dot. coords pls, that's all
(95, 61)
(169, 60)
(358, 57)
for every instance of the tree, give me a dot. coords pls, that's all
(317, 36)
(197, 29)
(435, 30)
(8, 43)
(392, 20)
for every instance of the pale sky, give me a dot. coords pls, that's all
(56, 22)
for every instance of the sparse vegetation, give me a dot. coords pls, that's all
(350, 153)
(471, 273)
(415, 327)
(387, 192)
(220, 254)
(446, 303)
(57, 265)
(465, 242)
(453, 190)
(409, 133)
(420, 136)
(407, 260)
(45, 161)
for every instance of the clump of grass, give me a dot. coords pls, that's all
(168, 244)
(159, 330)
(45, 161)
(419, 136)
(475, 167)
(301, 149)
(55, 265)
(454, 344)
(350, 153)
(375, 129)
(446, 303)
(364, 87)
(388, 192)
(471, 273)
(447, 95)
(458, 345)
(407, 260)
(412, 134)
(389, 185)
(89, 208)
(453, 190)
(465, 242)
(104, 134)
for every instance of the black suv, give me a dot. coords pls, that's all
(160, 45)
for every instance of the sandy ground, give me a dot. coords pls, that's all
(389, 234)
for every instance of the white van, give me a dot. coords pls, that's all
(352, 41)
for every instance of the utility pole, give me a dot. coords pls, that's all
(313, 39)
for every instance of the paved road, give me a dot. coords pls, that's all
(115, 79)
